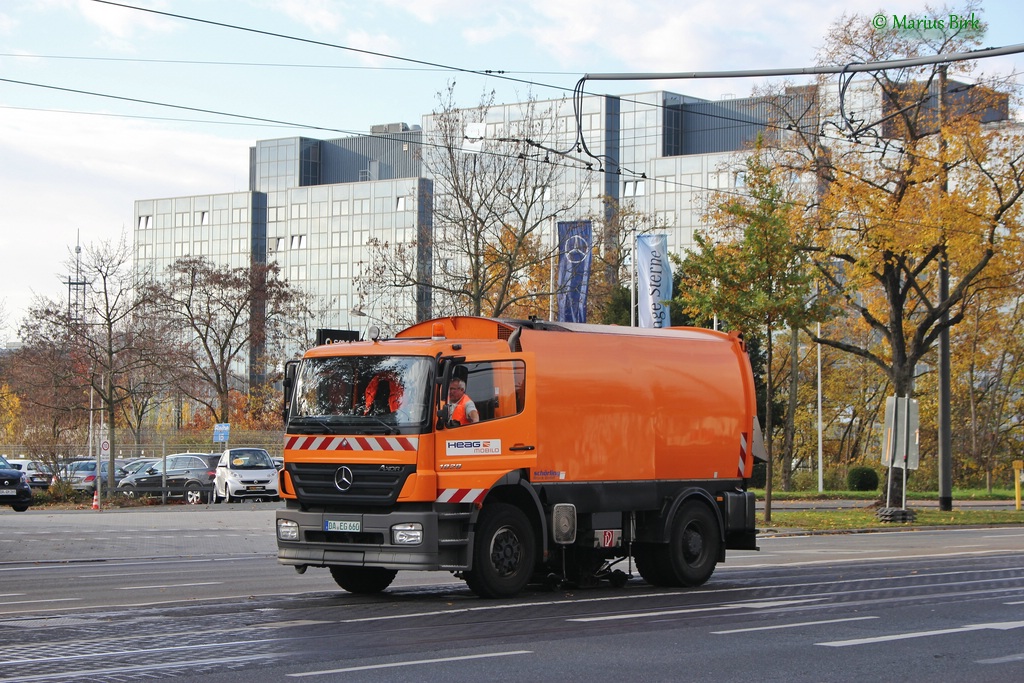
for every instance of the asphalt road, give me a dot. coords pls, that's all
(196, 592)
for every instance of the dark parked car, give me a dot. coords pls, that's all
(14, 488)
(133, 466)
(189, 476)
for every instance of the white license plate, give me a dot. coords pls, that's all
(13, 492)
(331, 525)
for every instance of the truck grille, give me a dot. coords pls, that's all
(367, 484)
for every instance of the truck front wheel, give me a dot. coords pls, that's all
(363, 580)
(504, 552)
(695, 544)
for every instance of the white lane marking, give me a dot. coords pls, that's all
(127, 670)
(1001, 626)
(691, 610)
(113, 653)
(1002, 660)
(168, 585)
(860, 560)
(33, 602)
(798, 625)
(440, 660)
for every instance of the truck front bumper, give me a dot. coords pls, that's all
(372, 545)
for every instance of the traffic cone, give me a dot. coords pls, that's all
(95, 500)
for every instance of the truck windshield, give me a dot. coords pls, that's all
(361, 394)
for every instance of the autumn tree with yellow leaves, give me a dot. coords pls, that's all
(904, 169)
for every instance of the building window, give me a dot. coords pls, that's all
(145, 222)
(181, 220)
(298, 241)
(403, 204)
(202, 218)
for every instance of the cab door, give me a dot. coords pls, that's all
(471, 456)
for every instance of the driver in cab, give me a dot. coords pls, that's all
(460, 406)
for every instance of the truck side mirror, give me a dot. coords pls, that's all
(290, 370)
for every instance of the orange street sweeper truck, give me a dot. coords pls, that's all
(575, 448)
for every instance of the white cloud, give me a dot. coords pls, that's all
(7, 25)
(320, 16)
(66, 175)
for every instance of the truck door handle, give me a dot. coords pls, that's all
(520, 447)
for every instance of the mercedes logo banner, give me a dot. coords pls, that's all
(574, 240)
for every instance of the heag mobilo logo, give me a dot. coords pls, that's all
(473, 447)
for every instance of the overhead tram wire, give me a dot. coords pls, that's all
(309, 41)
(580, 164)
(578, 92)
(768, 73)
(576, 163)
(579, 144)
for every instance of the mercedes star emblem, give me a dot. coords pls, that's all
(343, 478)
(576, 249)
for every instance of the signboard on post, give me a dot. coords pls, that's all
(221, 432)
(326, 336)
(901, 436)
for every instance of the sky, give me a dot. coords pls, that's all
(76, 152)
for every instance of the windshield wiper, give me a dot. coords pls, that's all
(334, 425)
(326, 422)
(388, 429)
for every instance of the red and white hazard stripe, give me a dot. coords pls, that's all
(461, 495)
(350, 443)
(743, 451)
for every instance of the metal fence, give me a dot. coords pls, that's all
(153, 446)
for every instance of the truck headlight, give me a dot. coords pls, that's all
(407, 534)
(287, 530)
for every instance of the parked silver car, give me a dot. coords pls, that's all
(81, 474)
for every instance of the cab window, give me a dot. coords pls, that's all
(498, 388)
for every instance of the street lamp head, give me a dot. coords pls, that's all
(359, 313)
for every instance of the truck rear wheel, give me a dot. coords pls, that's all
(654, 565)
(695, 544)
(503, 554)
(363, 580)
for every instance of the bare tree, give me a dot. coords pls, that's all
(491, 208)
(100, 329)
(226, 319)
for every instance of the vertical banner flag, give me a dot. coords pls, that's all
(573, 270)
(654, 275)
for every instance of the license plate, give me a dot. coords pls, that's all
(255, 488)
(13, 492)
(330, 525)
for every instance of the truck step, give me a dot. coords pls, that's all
(453, 541)
(454, 515)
